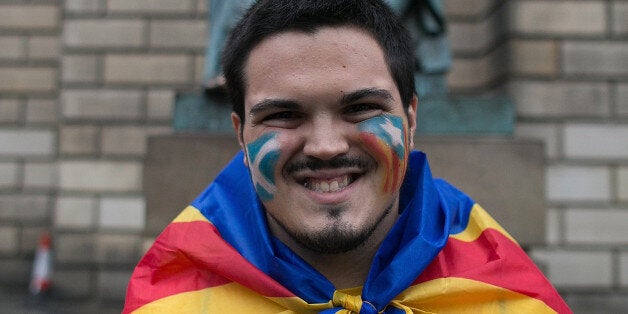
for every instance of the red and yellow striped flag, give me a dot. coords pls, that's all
(444, 255)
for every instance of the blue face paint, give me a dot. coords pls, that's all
(389, 129)
(263, 154)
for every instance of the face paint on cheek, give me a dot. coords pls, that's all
(263, 154)
(386, 138)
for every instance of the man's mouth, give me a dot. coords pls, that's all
(330, 185)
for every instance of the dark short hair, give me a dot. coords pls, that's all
(269, 17)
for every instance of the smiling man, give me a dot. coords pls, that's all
(327, 208)
(325, 138)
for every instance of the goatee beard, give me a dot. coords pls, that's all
(337, 236)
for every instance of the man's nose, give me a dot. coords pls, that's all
(325, 140)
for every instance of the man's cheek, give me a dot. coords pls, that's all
(263, 154)
(386, 138)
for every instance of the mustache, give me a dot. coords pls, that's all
(313, 163)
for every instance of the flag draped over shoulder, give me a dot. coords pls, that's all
(445, 254)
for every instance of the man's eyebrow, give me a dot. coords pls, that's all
(366, 92)
(267, 104)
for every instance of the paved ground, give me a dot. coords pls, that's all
(18, 301)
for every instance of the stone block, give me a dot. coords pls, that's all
(596, 226)
(622, 99)
(9, 241)
(199, 65)
(124, 140)
(80, 68)
(553, 226)
(595, 58)
(27, 143)
(44, 47)
(40, 175)
(78, 139)
(577, 268)
(201, 6)
(84, 6)
(29, 239)
(100, 176)
(467, 8)
(127, 213)
(103, 33)
(28, 79)
(561, 99)
(41, 110)
(9, 110)
(74, 248)
(182, 34)
(171, 156)
(147, 69)
(12, 47)
(597, 302)
(623, 269)
(112, 284)
(548, 133)
(24, 208)
(73, 283)
(578, 183)
(622, 184)
(151, 6)
(160, 103)
(101, 104)
(506, 177)
(75, 212)
(534, 57)
(474, 73)
(9, 175)
(476, 36)
(619, 13)
(563, 18)
(596, 141)
(118, 249)
(15, 272)
(29, 17)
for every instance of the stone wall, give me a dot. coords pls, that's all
(566, 69)
(578, 103)
(83, 83)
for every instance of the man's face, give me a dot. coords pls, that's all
(325, 136)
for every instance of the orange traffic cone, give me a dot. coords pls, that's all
(42, 267)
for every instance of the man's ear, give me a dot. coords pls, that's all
(237, 127)
(412, 113)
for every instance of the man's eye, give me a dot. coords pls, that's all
(282, 115)
(282, 119)
(361, 108)
(362, 111)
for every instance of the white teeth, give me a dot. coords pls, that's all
(327, 186)
(333, 186)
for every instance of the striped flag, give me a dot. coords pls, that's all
(444, 255)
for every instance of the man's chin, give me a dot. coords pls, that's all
(338, 236)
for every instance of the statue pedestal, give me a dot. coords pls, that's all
(505, 176)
